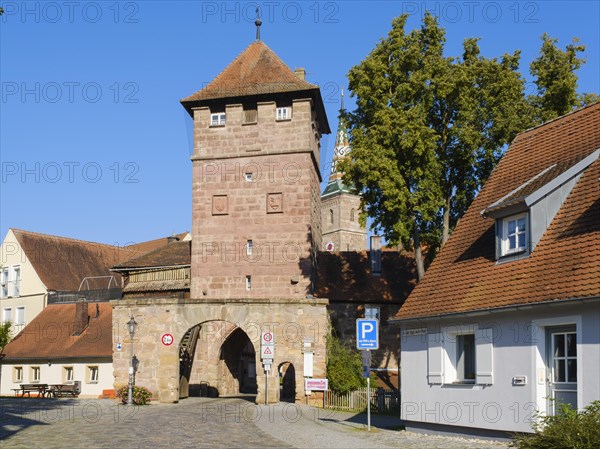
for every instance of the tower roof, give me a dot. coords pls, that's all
(257, 72)
(340, 152)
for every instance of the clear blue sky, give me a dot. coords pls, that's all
(93, 141)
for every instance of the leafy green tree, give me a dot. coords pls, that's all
(344, 367)
(5, 337)
(556, 81)
(427, 130)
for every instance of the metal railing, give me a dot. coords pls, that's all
(99, 295)
(382, 401)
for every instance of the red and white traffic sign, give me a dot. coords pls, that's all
(267, 338)
(267, 352)
(167, 339)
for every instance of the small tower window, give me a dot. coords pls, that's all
(249, 247)
(248, 283)
(284, 113)
(353, 215)
(331, 216)
(218, 119)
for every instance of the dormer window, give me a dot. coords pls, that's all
(514, 234)
(217, 119)
(284, 113)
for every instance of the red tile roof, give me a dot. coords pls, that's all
(256, 71)
(565, 263)
(50, 335)
(151, 245)
(172, 254)
(62, 263)
(346, 277)
(260, 74)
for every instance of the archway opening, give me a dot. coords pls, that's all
(237, 365)
(287, 382)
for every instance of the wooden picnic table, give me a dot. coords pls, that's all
(60, 390)
(40, 389)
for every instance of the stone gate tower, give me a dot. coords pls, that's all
(256, 211)
(340, 207)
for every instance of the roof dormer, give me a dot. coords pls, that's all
(523, 215)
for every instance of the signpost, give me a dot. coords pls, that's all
(267, 352)
(367, 338)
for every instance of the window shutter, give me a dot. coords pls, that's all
(435, 366)
(484, 356)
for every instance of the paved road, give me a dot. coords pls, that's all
(200, 422)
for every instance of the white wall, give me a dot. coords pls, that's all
(53, 374)
(517, 342)
(32, 293)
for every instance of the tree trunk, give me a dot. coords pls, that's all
(418, 254)
(446, 222)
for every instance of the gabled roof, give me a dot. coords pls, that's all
(151, 245)
(171, 255)
(50, 335)
(565, 264)
(62, 263)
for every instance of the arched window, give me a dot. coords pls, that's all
(331, 216)
(353, 215)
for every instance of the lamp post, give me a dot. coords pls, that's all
(131, 326)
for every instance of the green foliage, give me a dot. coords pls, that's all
(139, 395)
(5, 330)
(344, 367)
(556, 81)
(566, 430)
(429, 128)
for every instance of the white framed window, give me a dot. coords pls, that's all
(372, 312)
(284, 113)
(248, 283)
(460, 355)
(20, 318)
(249, 247)
(35, 374)
(92, 376)
(514, 234)
(68, 374)
(6, 314)
(218, 119)
(16, 279)
(17, 374)
(249, 177)
(4, 281)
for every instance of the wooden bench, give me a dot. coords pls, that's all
(40, 389)
(61, 390)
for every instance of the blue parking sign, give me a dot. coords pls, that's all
(367, 333)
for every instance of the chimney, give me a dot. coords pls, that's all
(81, 316)
(300, 73)
(172, 238)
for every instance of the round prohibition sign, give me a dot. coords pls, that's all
(167, 339)
(268, 337)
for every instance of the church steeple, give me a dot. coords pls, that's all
(342, 146)
(340, 207)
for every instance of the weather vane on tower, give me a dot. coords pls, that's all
(258, 23)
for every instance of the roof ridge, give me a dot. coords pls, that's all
(560, 117)
(66, 238)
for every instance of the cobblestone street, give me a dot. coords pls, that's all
(200, 422)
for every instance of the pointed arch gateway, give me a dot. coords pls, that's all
(216, 358)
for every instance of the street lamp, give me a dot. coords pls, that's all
(131, 326)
